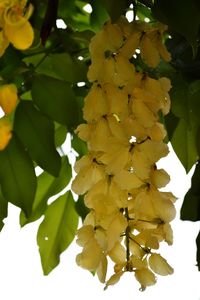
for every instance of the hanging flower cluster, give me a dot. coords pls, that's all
(14, 25)
(8, 102)
(129, 215)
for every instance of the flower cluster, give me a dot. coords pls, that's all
(8, 102)
(14, 25)
(129, 215)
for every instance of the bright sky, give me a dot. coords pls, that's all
(21, 274)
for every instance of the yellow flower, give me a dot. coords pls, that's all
(90, 257)
(145, 277)
(8, 98)
(95, 105)
(159, 265)
(5, 133)
(16, 28)
(4, 43)
(88, 176)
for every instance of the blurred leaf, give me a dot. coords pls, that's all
(36, 132)
(3, 210)
(48, 186)
(171, 121)
(180, 98)
(184, 144)
(115, 10)
(55, 98)
(10, 64)
(175, 14)
(143, 12)
(81, 209)
(194, 96)
(17, 176)
(68, 69)
(185, 134)
(78, 145)
(99, 15)
(190, 209)
(60, 134)
(57, 231)
(198, 251)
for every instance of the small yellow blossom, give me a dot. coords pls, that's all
(8, 98)
(14, 25)
(5, 133)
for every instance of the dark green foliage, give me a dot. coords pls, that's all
(17, 176)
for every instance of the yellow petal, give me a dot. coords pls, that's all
(84, 234)
(149, 52)
(142, 113)
(159, 178)
(102, 269)
(117, 100)
(159, 265)
(118, 253)
(124, 70)
(90, 257)
(114, 279)
(95, 105)
(87, 177)
(131, 44)
(4, 43)
(145, 278)
(116, 228)
(21, 36)
(127, 180)
(8, 98)
(5, 133)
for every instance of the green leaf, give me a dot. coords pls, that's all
(36, 132)
(175, 14)
(99, 15)
(81, 209)
(48, 186)
(78, 145)
(17, 176)
(55, 98)
(115, 10)
(60, 134)
(3, 210)
(190, 209)
(185, 134)
(68, 69)
(170, 121)
(198, 250)
(57, 231)
(184, 144)
(194, 95)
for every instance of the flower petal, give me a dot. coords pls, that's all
(21, 36)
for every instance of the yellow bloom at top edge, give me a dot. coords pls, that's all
(16, 28)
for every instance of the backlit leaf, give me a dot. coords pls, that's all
(198, 251)
(57, 231)
(48, 186)
(3, 210)
(36, 131)
(190, 209)
(176, 13)
(17, 176)
(55, 98)
(184, 144)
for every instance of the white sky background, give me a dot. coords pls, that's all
(21, 273)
